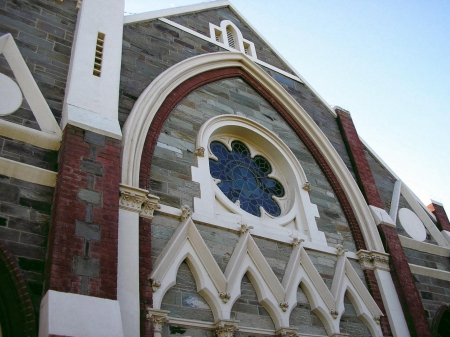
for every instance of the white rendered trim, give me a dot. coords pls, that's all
(29, 135)
(430, 272)
(298, 214)
(221, 290)
(395, 200)
(218, 4)
(225, 46)
(424, 247)
(66, 314)
(27, 84)
(138, 123)
(32, 174)
(135, 18)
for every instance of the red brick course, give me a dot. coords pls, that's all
(214, 75)
(145, 268)
(18, 316)
(442, 219)
(401, 274)
(64, 245)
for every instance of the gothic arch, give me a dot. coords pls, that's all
(17, 317)
(143, 126)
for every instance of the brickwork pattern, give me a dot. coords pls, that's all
(16, 313)
(442, 219)
(24, 222)
(427, 260)
(145, 268)
(82, 255)
(43, 31)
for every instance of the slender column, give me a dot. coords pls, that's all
(401, 274)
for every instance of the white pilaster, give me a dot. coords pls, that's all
(130, 203)
(392, 304)
(91, 101)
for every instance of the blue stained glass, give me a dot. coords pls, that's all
(245, 179)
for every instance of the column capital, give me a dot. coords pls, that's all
(150, 204)
(286, 332)
(226, 328)
(158, 318)
(373, 260)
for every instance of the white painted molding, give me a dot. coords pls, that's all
(148, 103)
(218, 4)
(434, 273)
(91, 100)
(32, 174)
(66, 314)
(381, 217)
(424, 247)
(212, 40)
(279, 299)
(28, 135)
(395, 200)
(30, 90)
(446, 235)
(298, 214)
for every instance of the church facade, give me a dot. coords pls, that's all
(170, 174)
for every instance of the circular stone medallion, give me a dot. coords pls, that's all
(10, 96)
(412, 224)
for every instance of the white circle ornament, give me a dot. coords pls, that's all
(412, 224)
(10, 95)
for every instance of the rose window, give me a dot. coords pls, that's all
(245, 180)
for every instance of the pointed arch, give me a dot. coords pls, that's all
(17, 316)
(143, 126)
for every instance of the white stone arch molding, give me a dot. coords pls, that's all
(138, 123)
(297, 212)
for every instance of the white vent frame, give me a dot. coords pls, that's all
(245, 46)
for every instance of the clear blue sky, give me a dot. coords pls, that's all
(387, 62)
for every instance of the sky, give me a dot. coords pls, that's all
(387, 62)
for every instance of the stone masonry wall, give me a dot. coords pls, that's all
(170, 174)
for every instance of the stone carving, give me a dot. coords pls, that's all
(377, 319)
(131, 201)
(244, 227)
(149, 206)
(307, 186)
(158, 318)
(286, 332)
(340, 250)
(373, 260)
(200, 152)
(186, 212)
(224, 296)
(79, 3)
(334, 313)
(284, 306)
(226, 328)
(155, 285)
(296, 241)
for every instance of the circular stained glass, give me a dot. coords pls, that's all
(244, 180)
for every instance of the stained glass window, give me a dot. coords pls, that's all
(244, 180)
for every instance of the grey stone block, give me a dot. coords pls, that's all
(9, 193)
(86, 266)
(87, 230)
(90, 197)
(90, 166)
(94, 138)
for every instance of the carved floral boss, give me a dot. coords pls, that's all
(245, 180)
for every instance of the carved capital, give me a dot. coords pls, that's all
(224, 296)
(284, 306)
(340, 250)
(373, 260)
(186, 212)
(155, 285)
(131, 198)
(377, 319)
(334, 313)
(200, 152)
(307, 186)
(286, 332)
(150, 204)
(244, 227)
(158, 318)
(296, 241)
(226, 328)
(79, 3)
